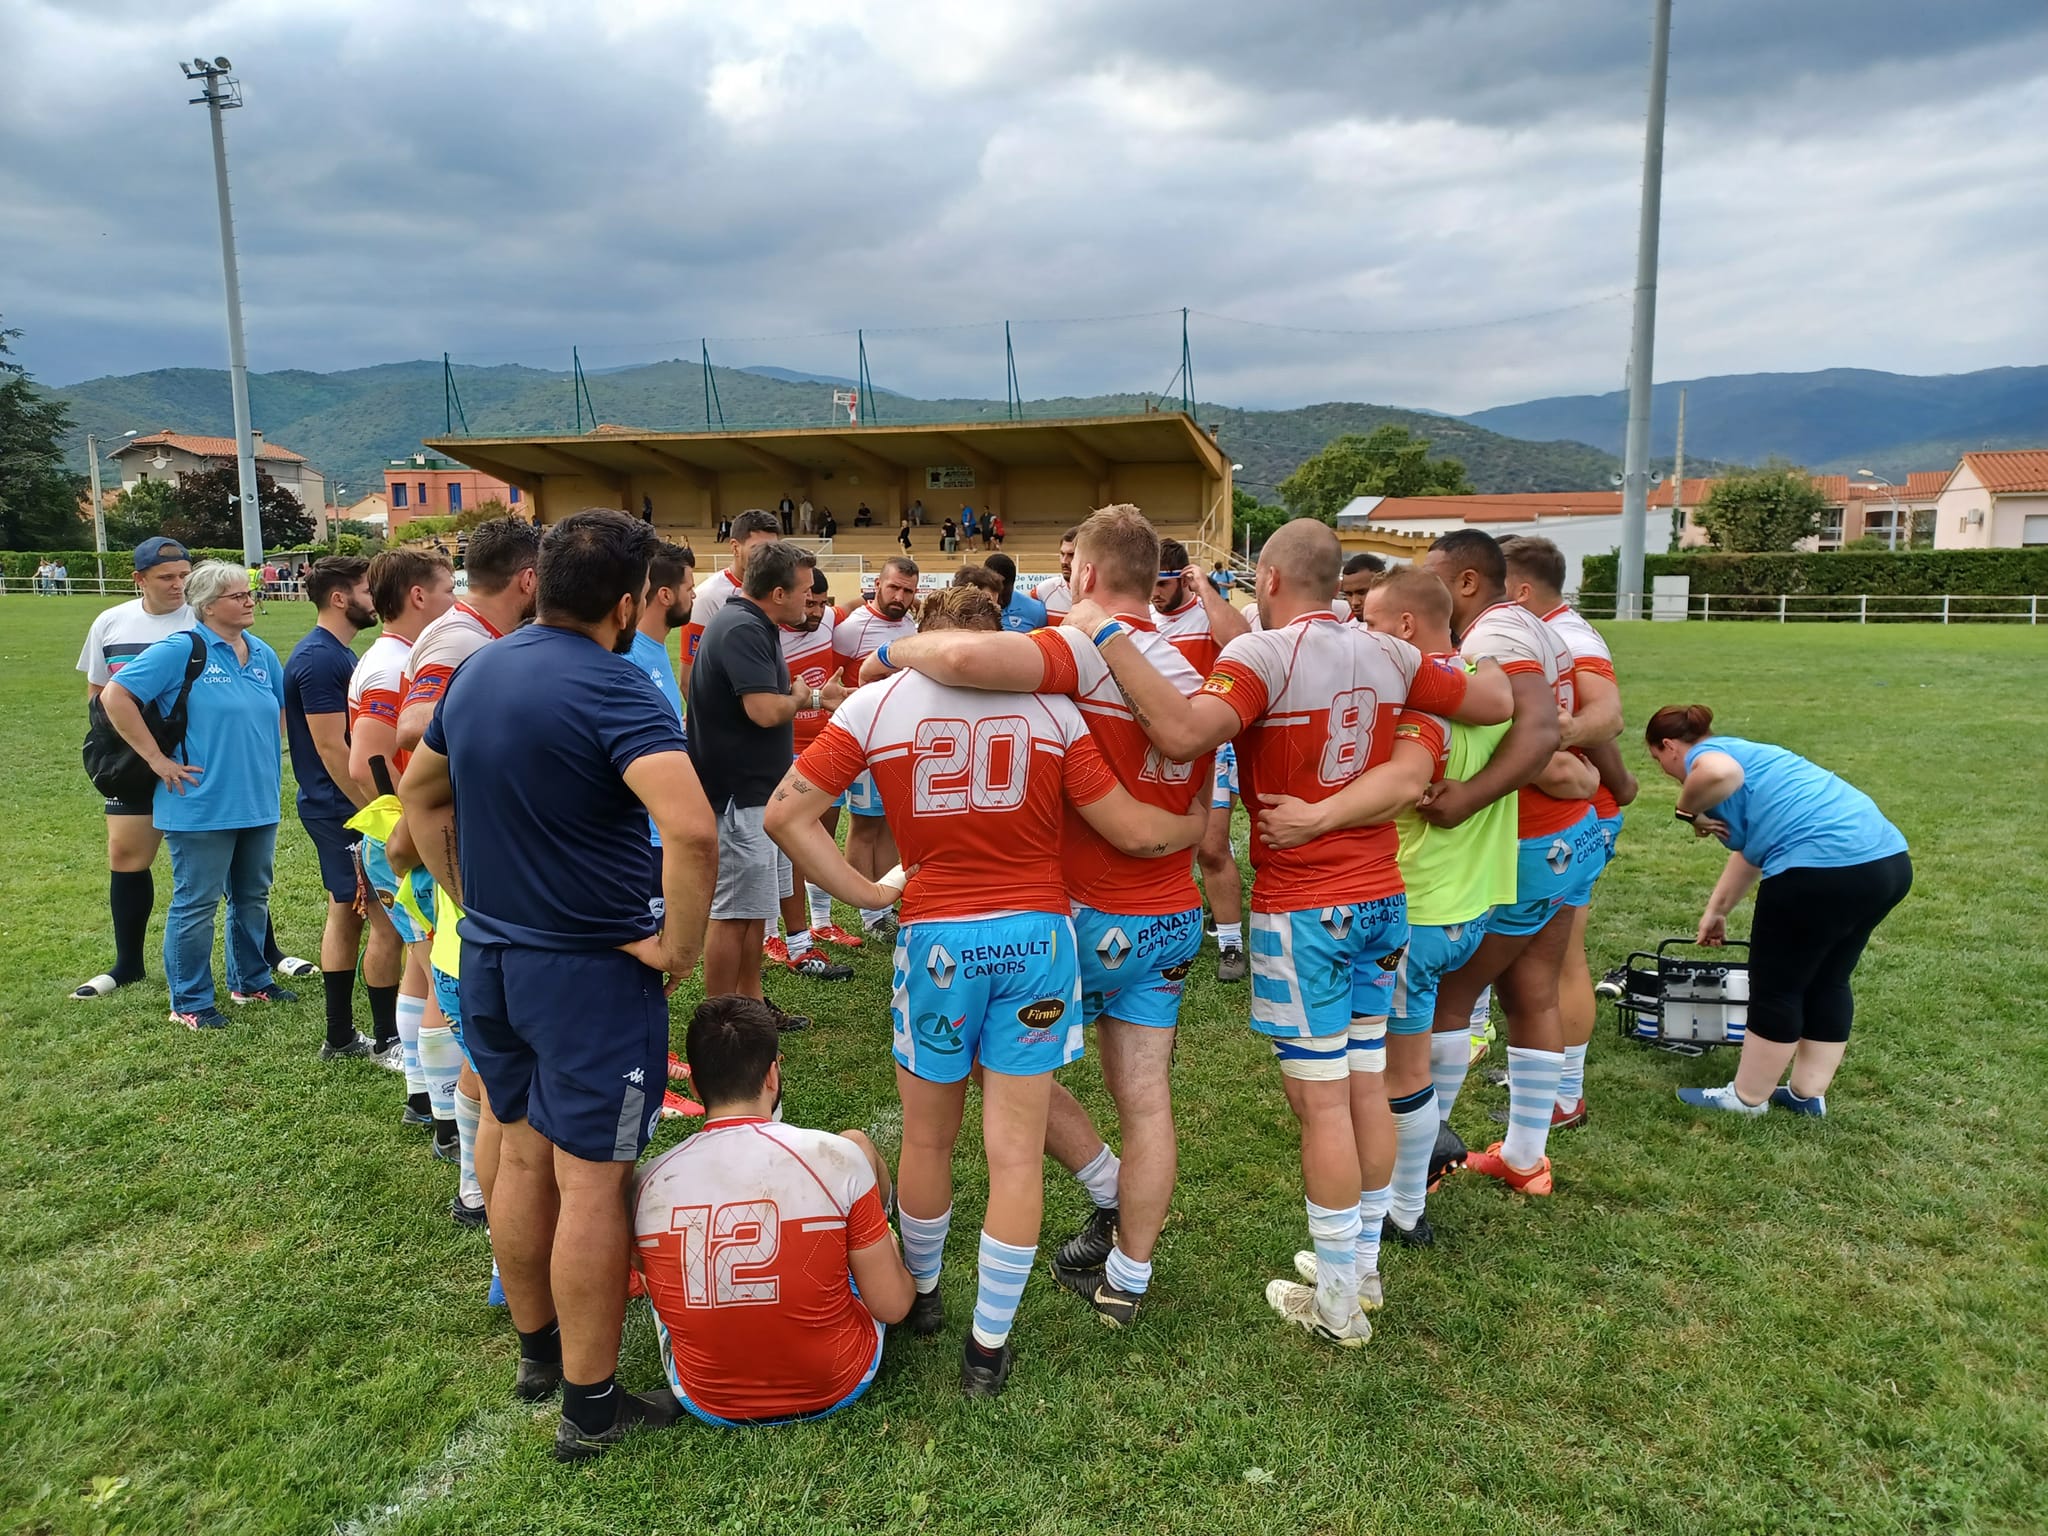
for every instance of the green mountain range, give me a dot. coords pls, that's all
(351, 424)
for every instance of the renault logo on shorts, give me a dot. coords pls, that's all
(1559, 858)
(1336, 921)
(1113, 948)
(940, 966)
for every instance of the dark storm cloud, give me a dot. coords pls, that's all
(1845, 183)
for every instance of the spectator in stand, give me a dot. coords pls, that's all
(862, 517)
(1219, 578)
(828, 526)
(218, 803)
(995, 529)
(1022, 612)
(786, 510)
(903, 533)
(316, 727)
(917, 511)
(724, 530)
(805, 514)
(949, 538)
(968, 529)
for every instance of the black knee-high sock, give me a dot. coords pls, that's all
(341, 991)
(131, 895)
(271, 953)
(383, 1013)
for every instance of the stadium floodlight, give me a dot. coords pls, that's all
(199, 64)
(221, 64)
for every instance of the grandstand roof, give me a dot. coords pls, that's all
(1091, 442)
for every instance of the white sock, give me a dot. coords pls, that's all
(1482, 1011)
(440, 1065)
(1415, 1127)
(1334, 1235)
(469, 1114)
(1127, 1273)
(821, 907)
(1571, 1082)
(1532, 1094)
(410, 1011)
(1450, 1058)
(1372, 1216)
(1230, 935)
(799, 943)
(868, 918)
(1099, 1177)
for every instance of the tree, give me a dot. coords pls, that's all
(208, 517)
(39, 499)
(141, 512)
(1250, 516)
(1389, 461)
(1758, 511)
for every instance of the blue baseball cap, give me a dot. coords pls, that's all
(158, 551)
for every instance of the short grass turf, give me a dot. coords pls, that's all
(233, 1301)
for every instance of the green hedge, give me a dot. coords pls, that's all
(1755, 582)
(120, 562)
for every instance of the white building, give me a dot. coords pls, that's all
(173, 455)
(1994, 500)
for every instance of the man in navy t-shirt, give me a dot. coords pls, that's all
(529, 800)
(316, 728)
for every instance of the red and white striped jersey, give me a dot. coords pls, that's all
(1589, 655)
(808, 655)
(1058, 599)
(443, 646)
(1189, 631)
(378, 684)
(745, 1235)
(973, 787)
(1099, 874)
(1319, 703)
(1521, 642)
(863, 631)
(713, 595)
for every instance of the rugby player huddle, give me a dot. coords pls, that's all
(1432, 790)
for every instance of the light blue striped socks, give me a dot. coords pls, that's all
(469, 1114)
(1415, 1127)
(1450, 1058)
(440, 1066)
(410, 1011)
(1004, 1269)
(924, 1245)
(1372, 1216)
(1127, 1273)
(1334, 1235)
(1571, 1082)
(1532, 1095)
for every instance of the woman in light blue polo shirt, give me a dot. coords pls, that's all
(217, 801)
(1831, 869)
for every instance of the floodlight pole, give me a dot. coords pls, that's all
(1635, 483)
(219, 91)
(99, 513)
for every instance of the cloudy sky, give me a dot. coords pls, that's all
(1423, 204)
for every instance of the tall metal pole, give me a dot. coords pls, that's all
(219, 92)
(99, 513)
(1635, 484)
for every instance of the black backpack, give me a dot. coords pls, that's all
(117, 771)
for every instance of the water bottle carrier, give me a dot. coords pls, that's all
(1685, 1004)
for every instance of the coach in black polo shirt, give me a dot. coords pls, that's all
(741, 739)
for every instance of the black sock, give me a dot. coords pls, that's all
(131, 896)
(592, 1409)
(445, 1133)
(271, 953)
(420, 1104)
(341, 994)
(543, 1344)
(383, 1013)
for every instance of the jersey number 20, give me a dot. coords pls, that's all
(983, 766)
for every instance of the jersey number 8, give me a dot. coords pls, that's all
(983, 766)
(1348, 749)
(718, 1244)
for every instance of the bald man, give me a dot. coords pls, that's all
(1315, 705)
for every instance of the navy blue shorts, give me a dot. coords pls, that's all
(335, 843)
(574, 1042)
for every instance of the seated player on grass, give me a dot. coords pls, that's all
(765, 1248)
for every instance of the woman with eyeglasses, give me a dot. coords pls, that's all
(217, 799)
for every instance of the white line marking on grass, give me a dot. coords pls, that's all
(474, 1448)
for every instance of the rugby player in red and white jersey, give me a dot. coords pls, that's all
(1560, 841)
(1138, 921)
(500, 563)
(409, 590)
(859, 633)
(807, 910)
(1314, 704)
(750, 529)
(1056, 592)
(975, 786)
(1199, 621)
(764, 1247)
(1536, 576)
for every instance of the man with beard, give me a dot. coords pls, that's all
(525, 796)
(316, 727)
(858, 635)
(749, 531)
(671, 591)
(1054, 592)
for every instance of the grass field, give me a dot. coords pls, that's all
(233, 1302)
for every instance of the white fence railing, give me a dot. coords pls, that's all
(1837, 608)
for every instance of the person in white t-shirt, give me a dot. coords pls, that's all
(1054, 590)
(752, 527)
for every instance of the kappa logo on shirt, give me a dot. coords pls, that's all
(637, 1077)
